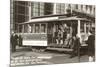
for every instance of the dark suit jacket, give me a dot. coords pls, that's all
(91, 45)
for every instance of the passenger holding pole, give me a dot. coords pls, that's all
(59, 39)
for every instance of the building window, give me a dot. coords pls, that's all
(60, 8)
(41, 9)
(37, 9)
(68, 9)
(48, 8)
(20, 12)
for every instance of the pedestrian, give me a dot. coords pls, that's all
(64, 36)
(55, 37)
(20, 39)
(14, 42)
(75, 46)
(16, 39)
(91, 45)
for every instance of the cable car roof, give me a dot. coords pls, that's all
(54, 18)
(74, 18)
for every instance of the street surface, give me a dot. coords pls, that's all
(25, 56)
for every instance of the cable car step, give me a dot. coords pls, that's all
(60, 49)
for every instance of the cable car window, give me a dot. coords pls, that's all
(43, 28)
(76, 6)
(56, 27)
(20, 28)
(37, 28)
(82, 27)
(87, 27)
(25, 28)
(29, 28)
(81, 7)
(33, 28)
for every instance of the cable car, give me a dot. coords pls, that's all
(41, 31)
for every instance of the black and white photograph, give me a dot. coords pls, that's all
(45, 33)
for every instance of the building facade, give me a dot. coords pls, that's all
(23, 11)
(19, 13)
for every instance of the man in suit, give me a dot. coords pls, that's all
(75, 46)
(14, 42)
(91, 45)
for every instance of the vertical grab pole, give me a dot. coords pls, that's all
(85, 27)
(17, 29)
(23, 28)
(78, 50)
(78, 31)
